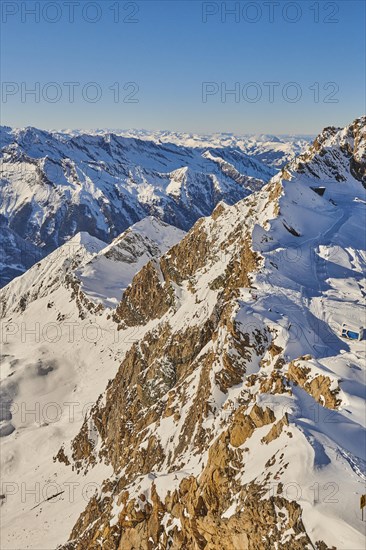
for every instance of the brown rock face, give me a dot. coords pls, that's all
(244, 426)
(317, 386)
(151, 293)
(276, 430)
(275, 192)
(238, 271)
(139, 304)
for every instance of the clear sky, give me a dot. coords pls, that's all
(170, 64)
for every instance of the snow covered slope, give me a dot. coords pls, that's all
(231, 412)
(56, 354)
(48, 275)
(54, 186)
(59, 347)
(105, 277)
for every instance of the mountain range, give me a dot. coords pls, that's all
(56, 184)
(185, 385)
(275, 151)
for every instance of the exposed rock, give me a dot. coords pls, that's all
(318, 386)
(243, 426)
(139, 305)
(276, 430)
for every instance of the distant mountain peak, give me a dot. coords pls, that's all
(55, 186)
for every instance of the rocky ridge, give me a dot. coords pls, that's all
(203, 423)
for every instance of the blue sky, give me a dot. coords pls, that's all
(181, 59)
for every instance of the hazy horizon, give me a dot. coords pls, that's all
(160, 130)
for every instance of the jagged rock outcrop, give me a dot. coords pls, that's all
(335, 154)
(320, 387)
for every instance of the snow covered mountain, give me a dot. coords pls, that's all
(49, 274)
(16, 254)
(108, 273)
(101, 271)
(54, 186)
(274, 151)
(217, 405)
